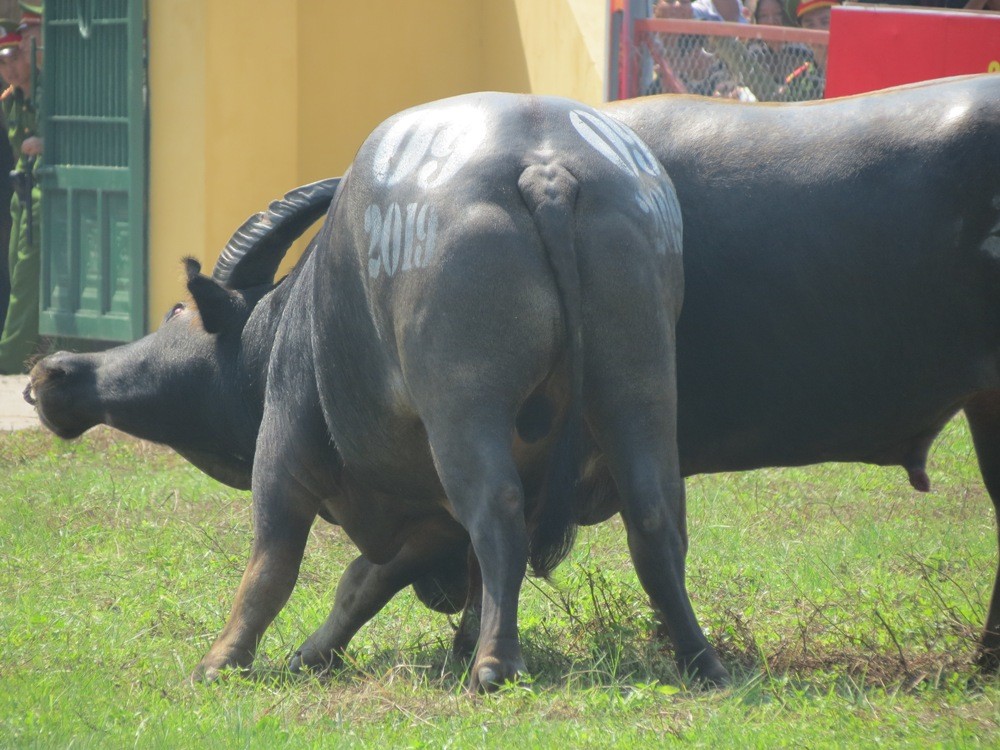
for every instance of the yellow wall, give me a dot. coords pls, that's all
(555, 47)
(244, 106)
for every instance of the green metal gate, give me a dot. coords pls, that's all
(94, 179)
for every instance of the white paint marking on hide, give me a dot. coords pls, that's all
(615, 142)
(421, 151)
(388, 147)
(427, 221)
(408, 232)
(637, 151)
(666, 216)
(373, 225)
(398, 242)
(993, 233)
(623, 148)
(669, 212)
(432, 145)
(583, 121)
(392, 232)
(413, 153)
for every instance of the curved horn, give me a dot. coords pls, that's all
(252, 255)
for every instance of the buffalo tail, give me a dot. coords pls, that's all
(549, 191)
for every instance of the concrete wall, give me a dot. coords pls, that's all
(244, 106)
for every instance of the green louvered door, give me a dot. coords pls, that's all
(94, 178)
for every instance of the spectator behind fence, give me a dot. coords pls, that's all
(815, 15)
(732, 11)
(686, 10)
(779, 71)
(682, 64)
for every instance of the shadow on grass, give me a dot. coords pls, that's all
(625, 667)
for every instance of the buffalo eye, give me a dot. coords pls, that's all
(174, 311)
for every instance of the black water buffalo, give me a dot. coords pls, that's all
(842, 272)
(842, 283)
(493, 269)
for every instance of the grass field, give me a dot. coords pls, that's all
(846, 604)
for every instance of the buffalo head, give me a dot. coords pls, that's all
(190, 384)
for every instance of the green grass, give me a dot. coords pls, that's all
(846, 604)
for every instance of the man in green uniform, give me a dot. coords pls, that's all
(20, 339)
(30, 29)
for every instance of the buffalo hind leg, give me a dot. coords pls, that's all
(647, 471)
(632, 410)
(983, 413)
(631, 406)
(366, 587)
(658, 555)
(482, 484)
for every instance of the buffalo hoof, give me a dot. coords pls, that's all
(705, 669)
(306, 661)
(489, 675)
(464, 645)
(204, 674)
(220, 666)
(988, 660)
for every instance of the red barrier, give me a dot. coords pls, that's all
(874, 47)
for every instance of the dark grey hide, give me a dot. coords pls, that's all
(494, 268)
(842, 283)
(842, 276)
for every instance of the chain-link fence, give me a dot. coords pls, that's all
(738, 61)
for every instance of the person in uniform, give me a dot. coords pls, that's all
(30, 29)
(6, 191)
(20, 338)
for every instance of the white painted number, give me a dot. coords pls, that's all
(623, 148)
(400, 239)
(433, 144)
(615, 142)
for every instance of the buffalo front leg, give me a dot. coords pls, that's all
(366, 587)
(280, 533)
(983, 414)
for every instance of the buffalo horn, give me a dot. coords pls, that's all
(253, 253)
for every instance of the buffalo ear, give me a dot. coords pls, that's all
(218, 306)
